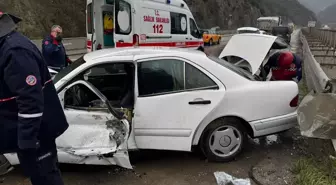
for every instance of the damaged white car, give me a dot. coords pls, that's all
(117, 100)
(251, 52)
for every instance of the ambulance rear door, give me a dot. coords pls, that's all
(155, 27)
(123, 23)
(97, 32)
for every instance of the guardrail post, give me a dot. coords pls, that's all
(319, 34)
(334, 40)
(330, 39)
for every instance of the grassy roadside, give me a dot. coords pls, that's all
(310, 171)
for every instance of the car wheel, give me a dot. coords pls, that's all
(210, 42)
(224, 140)
(219, 40)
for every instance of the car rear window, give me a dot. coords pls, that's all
(233, 68)
(247, 31)
(280, 30)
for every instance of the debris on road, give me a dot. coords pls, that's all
(223, 178)
(317, 115)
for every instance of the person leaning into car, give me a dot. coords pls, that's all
(284, 65)
(31, 115)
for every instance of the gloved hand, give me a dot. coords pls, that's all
(59, 38)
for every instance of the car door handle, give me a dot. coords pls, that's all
(200, 102)
(120, 40)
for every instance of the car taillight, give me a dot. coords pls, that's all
(136, 40)
(88, 44)
(295, 101)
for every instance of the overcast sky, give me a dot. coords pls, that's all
(317, 5)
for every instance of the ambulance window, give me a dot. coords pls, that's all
(89, 18)
(194, 30)
(123, 17)
(178, 23)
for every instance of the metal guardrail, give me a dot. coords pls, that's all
(312, 120)
(226, 32)
(316, 78)
(327, 36)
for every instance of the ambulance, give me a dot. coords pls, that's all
(128, 23)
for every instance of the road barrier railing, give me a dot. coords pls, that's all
(316, 78)
(317, 115)
(327, 36)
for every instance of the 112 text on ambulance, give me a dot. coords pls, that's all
(159, 22)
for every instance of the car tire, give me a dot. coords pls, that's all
(230, 136)
(219, 40)
(210, 42)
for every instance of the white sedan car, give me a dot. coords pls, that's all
(118, 100)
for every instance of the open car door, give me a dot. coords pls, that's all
(97, 133)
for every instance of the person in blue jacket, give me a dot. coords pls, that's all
(53, 50)
(31, 115)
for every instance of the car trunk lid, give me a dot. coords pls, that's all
(251, 47)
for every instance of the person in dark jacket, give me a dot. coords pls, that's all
(54, 51)
(31, 115)
(284, 65)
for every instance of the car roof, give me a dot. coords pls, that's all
(268, 18)
(136, 53)
(248, 28)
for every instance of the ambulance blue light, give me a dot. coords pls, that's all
(168, 1)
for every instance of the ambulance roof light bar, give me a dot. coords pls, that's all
(169, 2)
